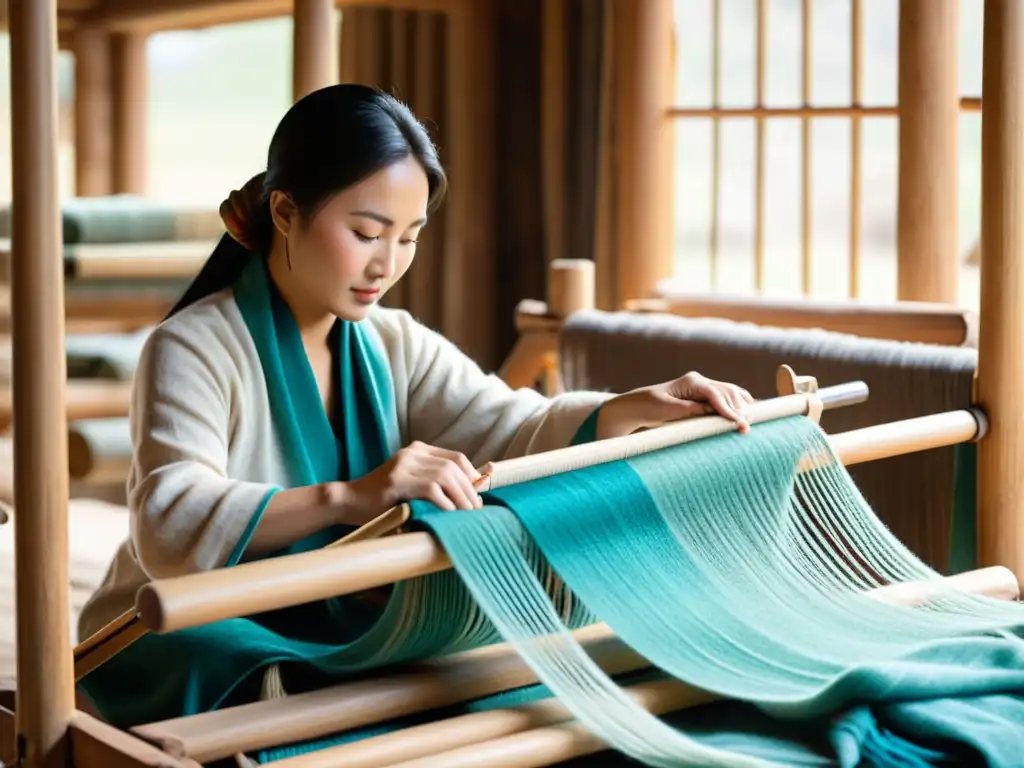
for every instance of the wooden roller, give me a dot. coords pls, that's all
(176, 603)
(901, 321)
(448, 681)
(90, 356)
(85, 399)
(175, 259)
(250, 588)
(99, 450)
(95, 311)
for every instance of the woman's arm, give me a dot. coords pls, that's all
(187, 515)
(452, 403)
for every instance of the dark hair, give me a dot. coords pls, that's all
(330, 139)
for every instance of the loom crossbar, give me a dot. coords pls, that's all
(196, 599)
(187, 601)
(451, 680)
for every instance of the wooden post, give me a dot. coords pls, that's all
(131, 112)
(93, 112)
(553, 99)
(45, 698)
(644, 252)
(469, 211)
(313, 60)
(929, 105)
(1001, 344)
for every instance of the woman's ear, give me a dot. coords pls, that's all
(283, 212)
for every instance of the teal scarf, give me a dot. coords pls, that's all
(217, 665)
(364, 398)
(222, 664)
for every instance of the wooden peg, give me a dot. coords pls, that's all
(788, 383)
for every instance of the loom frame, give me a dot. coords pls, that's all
(46, 729)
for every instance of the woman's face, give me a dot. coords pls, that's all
(361, 241)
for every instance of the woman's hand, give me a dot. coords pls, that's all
(418, 471)
(690, 395)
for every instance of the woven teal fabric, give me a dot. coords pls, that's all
(222, 664)
(717, 561)
(729, 563)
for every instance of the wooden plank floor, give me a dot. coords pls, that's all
(97, 529)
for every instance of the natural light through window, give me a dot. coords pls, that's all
(830, 139)
(215, 97)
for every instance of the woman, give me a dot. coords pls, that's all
(278, 406)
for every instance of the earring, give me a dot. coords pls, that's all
(287, 254)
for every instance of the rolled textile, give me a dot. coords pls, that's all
(128, 218)
(91, 356)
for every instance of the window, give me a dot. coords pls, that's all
(215, 97)
(732, 270)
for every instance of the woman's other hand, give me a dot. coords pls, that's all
(418, 471)
(682, 398)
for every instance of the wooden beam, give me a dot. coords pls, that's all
(313, 55)
(163, 15)
(93, 112)
(644, 41)
(470, 158)
(46, 691)
(131, 113)
(929, 99)
(1001, 346)
(95, 743)
(554, 58)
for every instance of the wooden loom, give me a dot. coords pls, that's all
(371, 559)
(48, 731)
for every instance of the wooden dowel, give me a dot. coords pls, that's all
(856, 142)
(433, 743)
(760, 141)
(92, 311)
(95, 743)
(46, 692)
(570, 286)
(180, 259)
(526, 361)
(86, 399)
(419, 687)
(849, 110)
(909, 436)
(93, 106)
(538, 465)
(249, 588)
(131, 113)
(1000, 366)
(929, 119)
(6, 470)
(806, 221)
(99, 450)
(903, 321)
(313, 55)
(716, 141)
(441, 682)
(116, 636)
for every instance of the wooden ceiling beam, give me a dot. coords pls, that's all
(165, 15)
(161, 15)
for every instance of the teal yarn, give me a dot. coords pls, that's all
(734, 570)
(737, 564)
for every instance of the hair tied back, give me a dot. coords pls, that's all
(240, 211)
